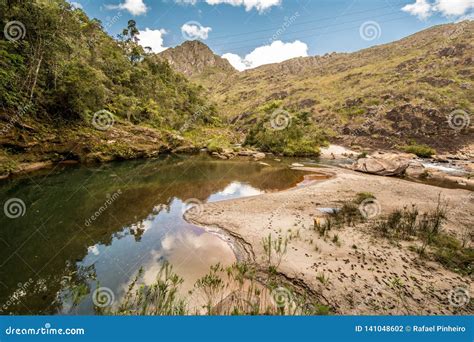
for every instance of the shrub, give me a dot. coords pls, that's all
(299, 138)
(422, 151)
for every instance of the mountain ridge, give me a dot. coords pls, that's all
(385, 96)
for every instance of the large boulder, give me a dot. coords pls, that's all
(383, 165)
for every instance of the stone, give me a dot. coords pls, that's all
(382, 165)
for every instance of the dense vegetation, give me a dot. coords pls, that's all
(284, 132)
(69, 68)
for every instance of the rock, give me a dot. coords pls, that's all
(336, 152)
(469, 167)
(297, 165)
(383, 165)
(185, 149)
(416, 170)
(245, 153)
(264, 164)
(259, 155)
(442, 177)
(30, 167)
(219, 155)
(440, 158)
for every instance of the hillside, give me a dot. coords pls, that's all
(68, 91)
(386, 96)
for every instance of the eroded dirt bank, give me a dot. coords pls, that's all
(360, 272)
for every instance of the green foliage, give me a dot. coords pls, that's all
(296, 136)
(70, 68)
(449, 252)
(159, 298)
(239, 289)
(400, 223)
(274, 249)
(362, 196)
(422, 151)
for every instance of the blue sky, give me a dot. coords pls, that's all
(255, 32)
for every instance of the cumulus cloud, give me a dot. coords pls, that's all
(448, 8)
(259, 5)
(277, 52)
(135, 7)
(453, 7)
(421, 8)
(194, 30)
(153, 39)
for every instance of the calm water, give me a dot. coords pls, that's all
(84, 228)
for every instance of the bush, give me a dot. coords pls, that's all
(422, 151)
(297, 139)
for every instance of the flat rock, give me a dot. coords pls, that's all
(382, 165)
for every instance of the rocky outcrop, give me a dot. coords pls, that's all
(193, 58)
(382, 164)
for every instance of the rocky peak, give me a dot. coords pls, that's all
(193, 58)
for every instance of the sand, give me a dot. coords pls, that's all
(366, 274)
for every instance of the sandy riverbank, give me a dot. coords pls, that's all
(362, 269)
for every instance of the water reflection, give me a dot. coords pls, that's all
(63, 259)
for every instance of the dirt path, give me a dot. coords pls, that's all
(360, 273)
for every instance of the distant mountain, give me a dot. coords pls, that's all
(193, 58)
(385, 96)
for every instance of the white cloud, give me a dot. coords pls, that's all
(277, 52)
(135, 7)
(453, 7)
(153, 39)
(259, 5)
(421, 8)
(194, 30)
(448, 8)
(236, 61)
